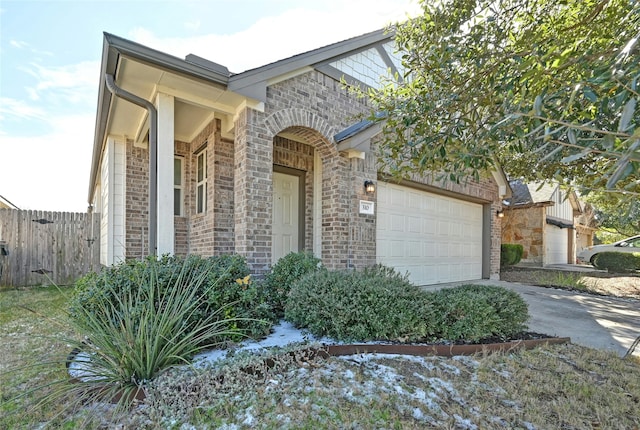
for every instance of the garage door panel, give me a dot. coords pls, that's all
(435, 238)
(557, 245)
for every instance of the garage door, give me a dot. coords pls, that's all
(557, 245)
(435, 238)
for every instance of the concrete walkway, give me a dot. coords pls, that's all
(589, 320)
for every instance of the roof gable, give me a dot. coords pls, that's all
(361, 60)
(539, 193)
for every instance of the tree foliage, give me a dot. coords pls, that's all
(546, 88)
(616, 214)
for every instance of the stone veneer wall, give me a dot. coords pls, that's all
(526, 227)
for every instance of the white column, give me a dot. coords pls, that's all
(166, 231)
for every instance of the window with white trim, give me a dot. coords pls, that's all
(178, 186)
(201, 182)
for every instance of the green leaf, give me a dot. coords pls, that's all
(627, 115)
(589, 94)
(537, 105)
(573, 157)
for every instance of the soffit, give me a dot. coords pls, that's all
(196, 102)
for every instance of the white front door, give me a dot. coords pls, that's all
(285, 232)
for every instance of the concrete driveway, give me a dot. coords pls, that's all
(589, 320)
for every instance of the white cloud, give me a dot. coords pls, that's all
(19, 109)
(49, 172)
(75, 83)
(274, 38)
(192, 25)
(18, 44)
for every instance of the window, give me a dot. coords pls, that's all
(201, 182)
(178, 186)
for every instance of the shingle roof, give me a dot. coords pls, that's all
(527, 194)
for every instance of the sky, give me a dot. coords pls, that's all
(50, 65)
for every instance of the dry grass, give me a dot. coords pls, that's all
(627, 286)
(567, 387)
(31, 331)
(564, 386)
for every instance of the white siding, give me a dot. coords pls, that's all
(104, 209)
(562, 208)
(118, 201)
(112, 197)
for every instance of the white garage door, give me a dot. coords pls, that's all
(557, 245)
(435, 238)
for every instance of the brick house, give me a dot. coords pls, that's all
(544, 219)
(273, 160)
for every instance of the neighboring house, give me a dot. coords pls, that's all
(542, 218)
(6, 204)
(273, 160)
(586, 226)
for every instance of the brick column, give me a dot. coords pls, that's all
(253, 190)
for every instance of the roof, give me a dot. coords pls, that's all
(539, 193)
(253, 82)
(4, 203)
(530, 194)
(121, 58)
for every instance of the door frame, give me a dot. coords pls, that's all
(302, 204)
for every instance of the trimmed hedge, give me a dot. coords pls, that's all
(283, 274)
(617, 262)
(374, 304)
(380, 304)
(475, 312)
(243, 303)
(510, 254)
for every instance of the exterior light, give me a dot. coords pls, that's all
(369, 187)
(500, 213)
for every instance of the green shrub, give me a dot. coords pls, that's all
(510, 254)
(475, 312)
(137, 328)
(374, 304)
(226, 285)
(284, 273)
(617, 262)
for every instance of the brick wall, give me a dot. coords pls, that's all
(136, 201)
(310, 108)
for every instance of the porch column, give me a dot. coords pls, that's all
(166, 234)
(253, 190)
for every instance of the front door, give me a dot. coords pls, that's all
(285, 227)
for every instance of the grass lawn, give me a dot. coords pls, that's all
(563, 386)
(31, 351)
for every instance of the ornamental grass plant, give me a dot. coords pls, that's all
(127, 337)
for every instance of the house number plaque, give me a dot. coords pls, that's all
(366, 207)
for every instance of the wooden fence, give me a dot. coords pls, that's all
(44, 248)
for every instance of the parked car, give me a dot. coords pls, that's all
(631, 244)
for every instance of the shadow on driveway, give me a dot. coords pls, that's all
(598, 322)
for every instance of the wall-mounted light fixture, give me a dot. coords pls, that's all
(369, 187)
(500, 213)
